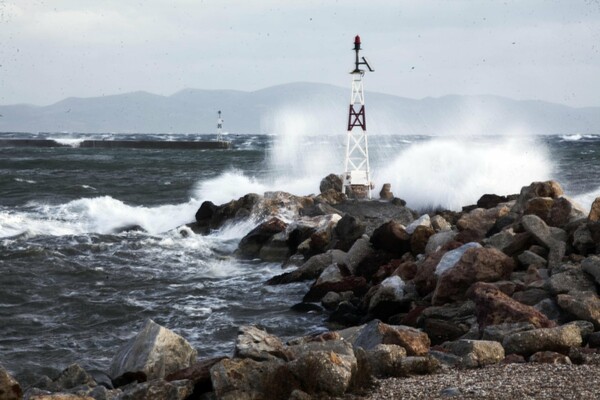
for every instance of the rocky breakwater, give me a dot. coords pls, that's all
(512, 279)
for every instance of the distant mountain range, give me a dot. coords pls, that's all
(308, 108)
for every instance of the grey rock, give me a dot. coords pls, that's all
(531, 296)
(500, 331)
(501, 240)
(552, 239)
(258, 345)
(358, 252)
(585, 327)
(439, 223)
(550, 309)
(155, 350)
(423, 220)
(384, 359)
(558, 339)
(476, 353)
(325, 370)
(573, 279)
(528, 258)
(242, 379)
(591, 265)
(439, 239)
(584, 305)
(418, 365)
(331, 300)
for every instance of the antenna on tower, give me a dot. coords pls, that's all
(219, 126)
(357, 174)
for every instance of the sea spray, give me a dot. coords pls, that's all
(453, 172)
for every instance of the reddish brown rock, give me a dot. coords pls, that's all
(494, 307)
(415, 342)
(539, 206)
(419, 239)
(481, 220)
(406, 270)
(391, 237)
(476, 265)
(425, 279)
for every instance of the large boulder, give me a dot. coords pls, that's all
(247, 379)
(347, 231)
(335, 279)
(476, 353)
(389, 298)
(385, 359)
(9, 387)
(438, 240)
(376, 332)
(475, 265)
(259, 345)
(553, 240)
(584, 305)
(448, 322)
(331, 182)
(251, 244)
(559, 339)
(426, 277)
(572, 279)
(324, 372)
(551, 189)
(420, 238)
(481, 220)
(494, 307)
(155, 350)
(324, 366)
(391, 237)
(591, 265)
(311, 269)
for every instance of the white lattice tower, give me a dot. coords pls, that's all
(357, 174)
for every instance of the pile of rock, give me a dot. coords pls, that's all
(511, 279)
(513, 276)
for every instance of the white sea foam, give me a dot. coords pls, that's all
(585, 200)
(25, 180)
(571, 138)
(73, 142)
(95, 215)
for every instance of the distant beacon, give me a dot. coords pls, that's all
(357, 176)
(219, 126)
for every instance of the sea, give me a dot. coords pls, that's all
(93, 241)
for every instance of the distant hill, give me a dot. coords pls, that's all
(309, 108)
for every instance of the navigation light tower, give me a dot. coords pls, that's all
(357, 176)
(219, 126)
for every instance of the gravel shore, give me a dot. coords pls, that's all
(498, 382)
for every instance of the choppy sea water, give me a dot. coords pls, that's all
(74, 284)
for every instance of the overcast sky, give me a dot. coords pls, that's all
(523, 49)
